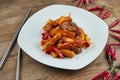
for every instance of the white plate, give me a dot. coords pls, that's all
(30, 36)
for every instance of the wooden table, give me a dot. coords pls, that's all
(11, 15)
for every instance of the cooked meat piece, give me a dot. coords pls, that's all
(76, 49)
(70, 26)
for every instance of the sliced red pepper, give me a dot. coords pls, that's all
(102, 74)
(49, 50)
(80, 3)
(54, 49)
(46, 36)
(117, 31)
(114, 23)
(95, 8)
(58, 52)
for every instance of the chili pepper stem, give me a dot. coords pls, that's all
(112, 69)
(110, 60)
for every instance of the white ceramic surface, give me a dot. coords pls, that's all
(30, 36)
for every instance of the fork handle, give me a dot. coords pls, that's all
(18, 64)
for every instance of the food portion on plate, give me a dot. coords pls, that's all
(63, 38)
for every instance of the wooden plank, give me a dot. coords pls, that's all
(11, 14)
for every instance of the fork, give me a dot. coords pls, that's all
(18, 64)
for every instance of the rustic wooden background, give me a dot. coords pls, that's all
(11, 15)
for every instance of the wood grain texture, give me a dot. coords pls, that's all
(11, 15)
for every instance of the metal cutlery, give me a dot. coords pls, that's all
(18, 64)
(14, 39)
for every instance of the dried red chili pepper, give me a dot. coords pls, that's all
(116, 37)
(114, 55)
(102, 12)
(117, 31)
(80, 3)
(102, 74)
(116, 76)
(117, 44)
(107, 76)
(46, 36)
(87, 2)
(113, 24)
(119, 76)
(108, 50)
(94, 8)
(54, 49)
(109, 54)
(107, 14)
(83, 1)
